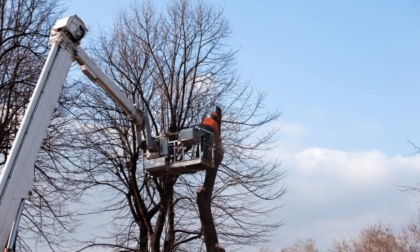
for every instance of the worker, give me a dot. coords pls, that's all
(211, 124)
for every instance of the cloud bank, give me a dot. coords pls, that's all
(333, 194)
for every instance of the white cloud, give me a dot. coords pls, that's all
(334, 194)
(355, 167)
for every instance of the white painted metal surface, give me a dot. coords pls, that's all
(16, 180)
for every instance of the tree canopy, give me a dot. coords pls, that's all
(177, 66)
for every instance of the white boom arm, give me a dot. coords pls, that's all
(16, 180)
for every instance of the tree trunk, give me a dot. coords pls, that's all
(204, 194)
(170, 236)
(207, 223)
(143, 238)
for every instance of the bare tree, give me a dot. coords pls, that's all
(377, 237)
(177, 66)
(380, 237)
(24, 29)
(302, 246)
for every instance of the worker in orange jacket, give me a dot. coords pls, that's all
(211, 124)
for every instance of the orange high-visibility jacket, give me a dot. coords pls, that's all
(212, 124)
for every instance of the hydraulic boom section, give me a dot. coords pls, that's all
(16, 180)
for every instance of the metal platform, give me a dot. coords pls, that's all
(192, 151)
(180, 167)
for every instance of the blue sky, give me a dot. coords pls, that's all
(347, 71)
(345, 75)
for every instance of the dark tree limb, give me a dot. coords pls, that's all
(207, 223)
